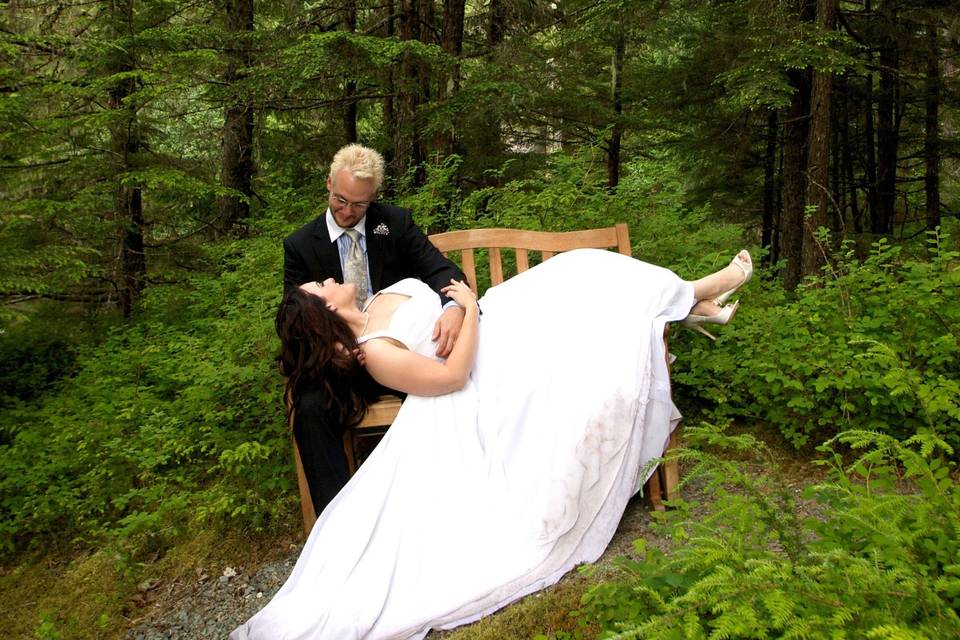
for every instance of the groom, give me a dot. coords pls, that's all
(372, 245)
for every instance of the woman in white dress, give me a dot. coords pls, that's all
(509, 463)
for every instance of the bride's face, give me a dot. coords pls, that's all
(338, 296)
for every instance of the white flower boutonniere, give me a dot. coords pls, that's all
(381, 230)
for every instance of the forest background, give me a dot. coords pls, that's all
(154, 153)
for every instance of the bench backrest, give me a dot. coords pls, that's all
(548, 243)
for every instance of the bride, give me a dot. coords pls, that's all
(510, 462)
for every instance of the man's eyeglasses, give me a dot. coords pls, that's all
(343, 203)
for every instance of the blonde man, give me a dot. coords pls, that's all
(374, 245)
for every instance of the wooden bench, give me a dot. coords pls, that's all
(662, 485)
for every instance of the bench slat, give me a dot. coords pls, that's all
(553, 241)
(469, 267)
(496, 266)
(522, 262)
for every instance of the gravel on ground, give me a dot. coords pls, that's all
(217, 604)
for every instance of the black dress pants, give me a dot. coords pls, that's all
(319, 434)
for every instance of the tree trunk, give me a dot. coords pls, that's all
(616, 91)
(411, 93)
(237, 166)
(769, 186)
(350, 85)
(932, 129)
(846, 157)
(795, 137)
(778, 210)
(870, 159)
(125, 145)
(796, 127)
(818, 158)
(838, 195)
(496, 24)
(887, 134)
(389, 97)
(451, 40)
(454, 12)
(489, 147)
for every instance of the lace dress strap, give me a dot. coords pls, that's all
(384, 333)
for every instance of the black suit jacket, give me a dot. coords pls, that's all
(396, 249)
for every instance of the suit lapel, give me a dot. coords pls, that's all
(374, 248)
(327, 253)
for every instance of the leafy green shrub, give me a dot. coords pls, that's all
(173, 421)
(35, 355)
(869, 345)
(880, 562)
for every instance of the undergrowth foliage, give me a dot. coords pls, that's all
(170, 423)
(866, 345)
(879, 561)
(174, 422)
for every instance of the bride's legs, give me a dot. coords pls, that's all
(712, 291)
(707, 288)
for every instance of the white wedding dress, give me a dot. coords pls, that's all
(476, 498)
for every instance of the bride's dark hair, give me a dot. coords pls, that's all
(317, 351)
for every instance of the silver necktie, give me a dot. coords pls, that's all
(355, 267)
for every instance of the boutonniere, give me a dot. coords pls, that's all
(381, 230)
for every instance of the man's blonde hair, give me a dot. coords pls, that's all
(362, 162)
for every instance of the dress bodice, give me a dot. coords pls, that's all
(412, 322)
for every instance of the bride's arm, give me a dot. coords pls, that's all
(396, 367)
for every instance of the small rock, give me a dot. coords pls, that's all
(147, 585)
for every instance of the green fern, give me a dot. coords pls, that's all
(880, 563)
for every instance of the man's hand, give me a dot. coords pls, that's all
(446, 330)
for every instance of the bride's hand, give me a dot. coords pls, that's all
(360, 356)
(460, 293)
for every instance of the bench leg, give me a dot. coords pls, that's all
(671, 472)
(348, 450)
(306, 502)
(652, 492)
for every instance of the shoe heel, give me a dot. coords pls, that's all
(700, 329)
(696, 322)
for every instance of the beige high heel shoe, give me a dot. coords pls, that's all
(747, 268)
(696, 322)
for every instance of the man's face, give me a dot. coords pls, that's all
(349, 197)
